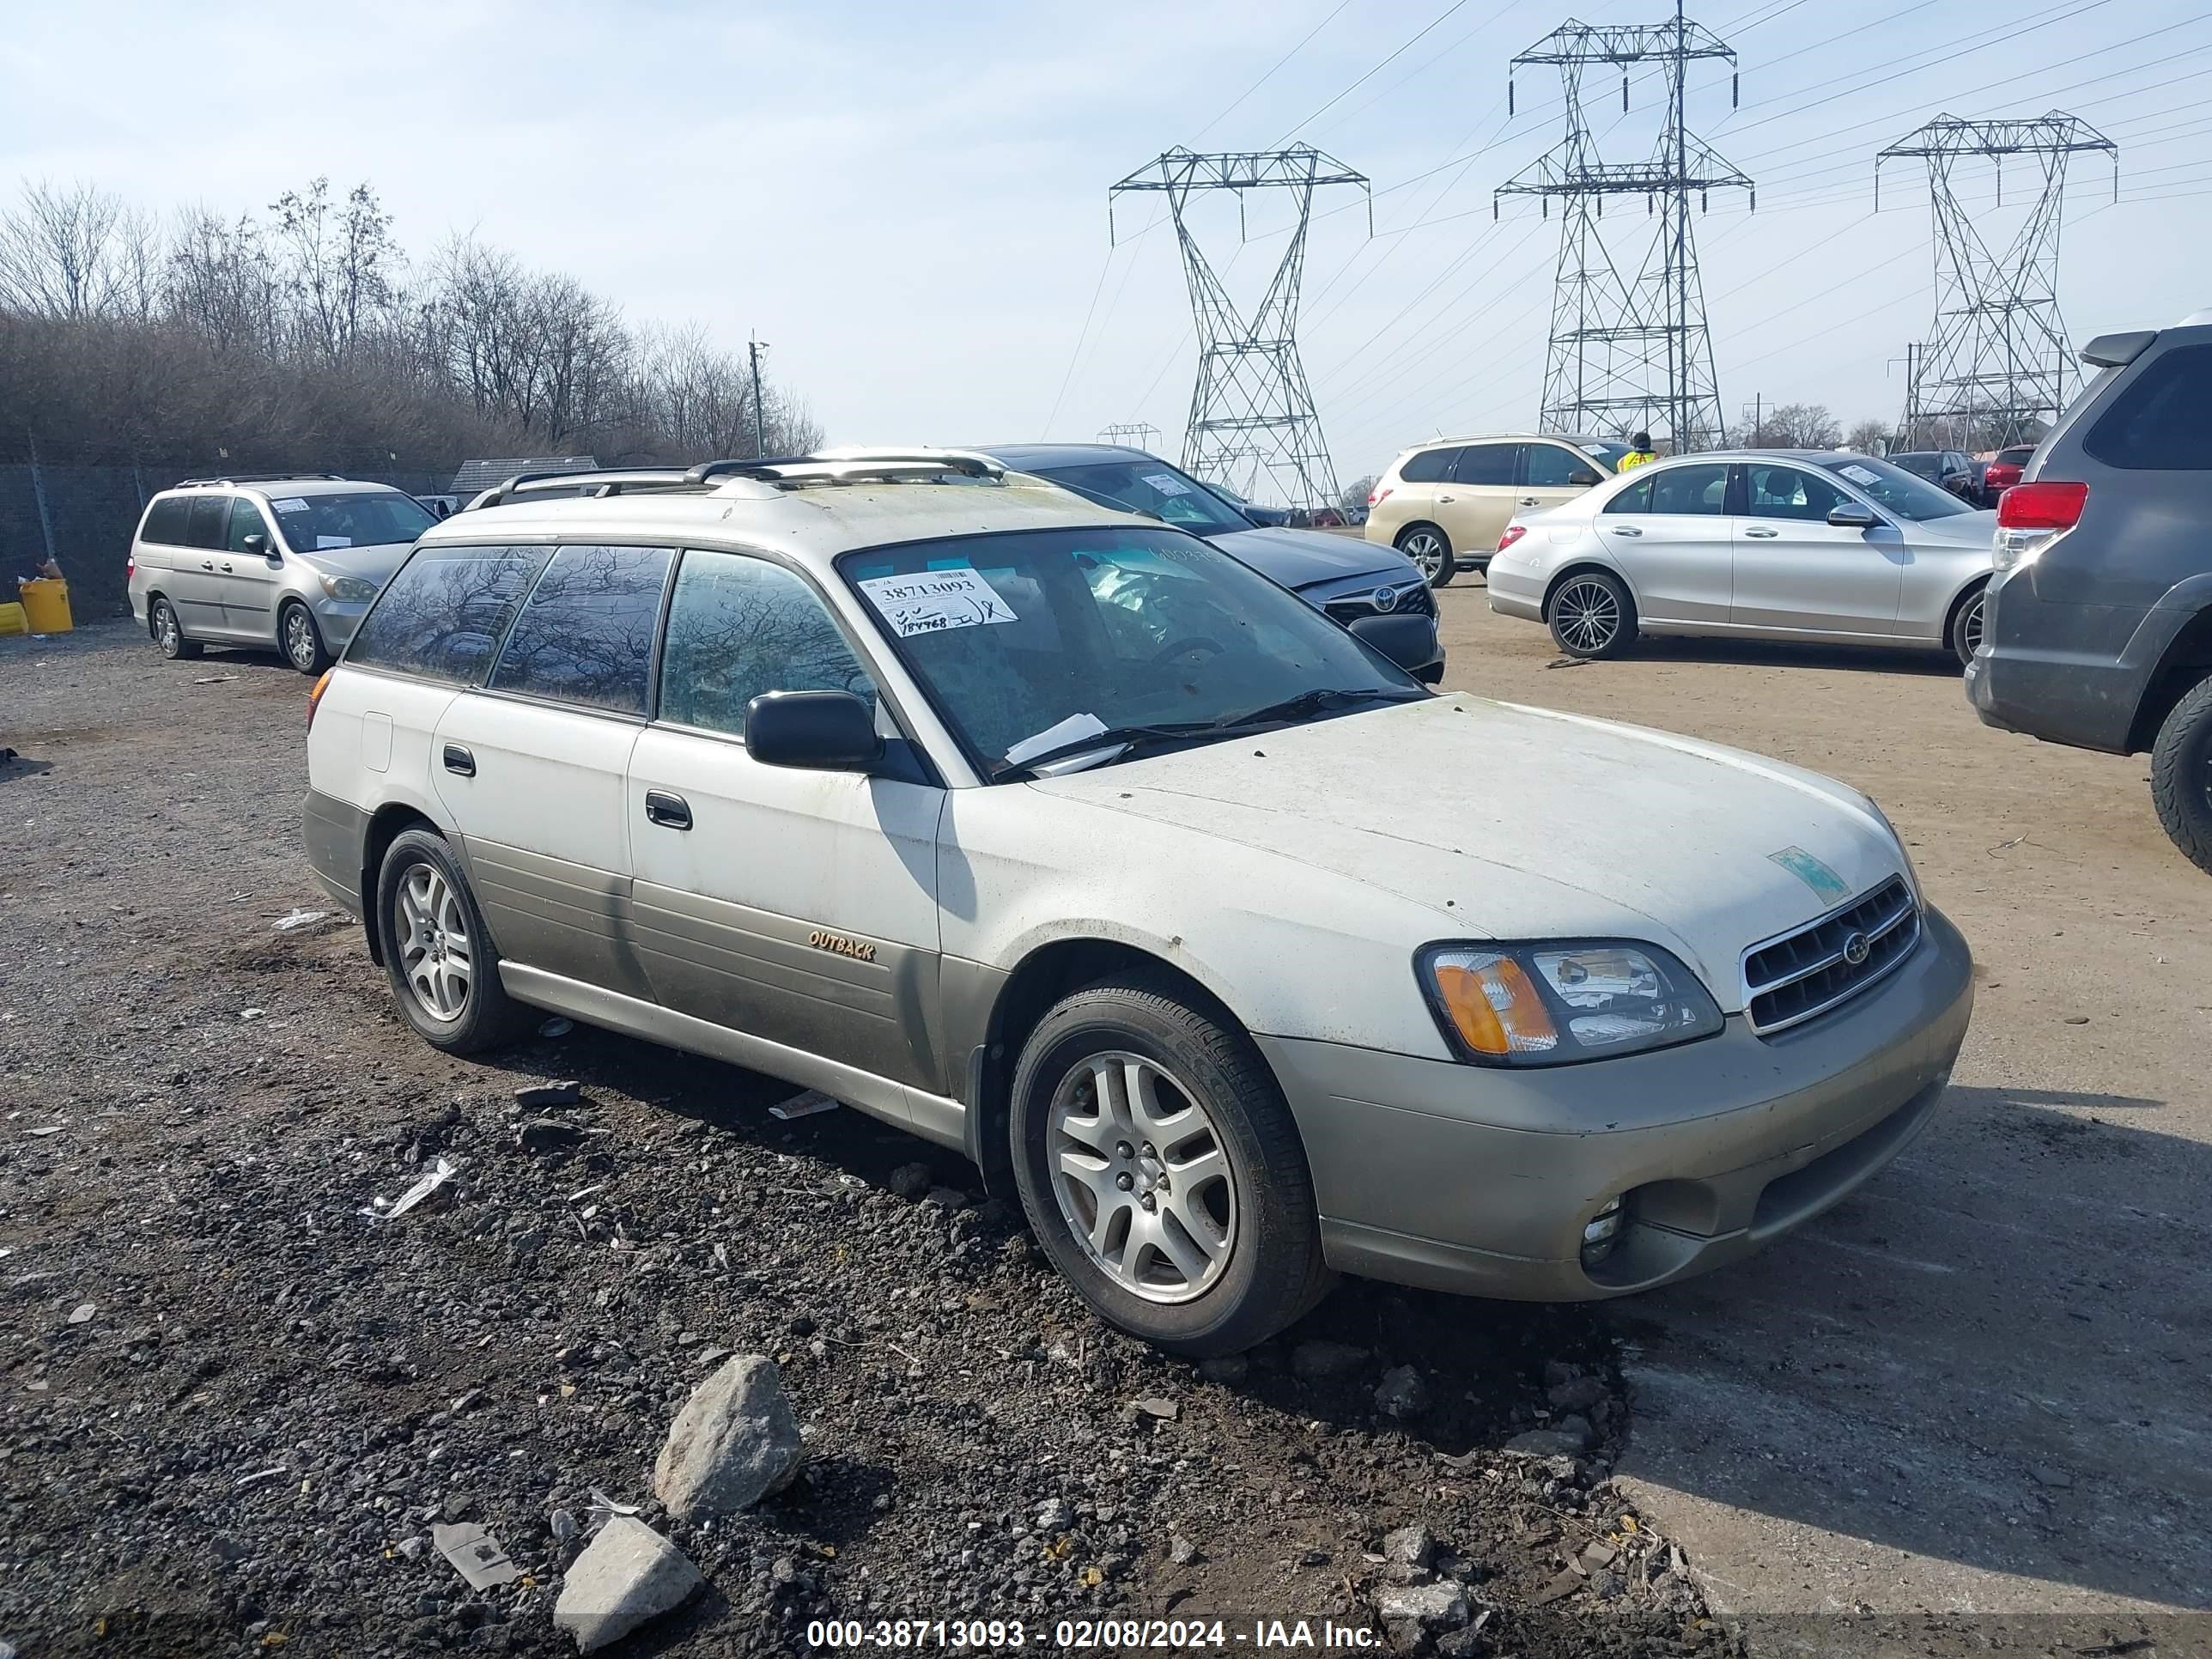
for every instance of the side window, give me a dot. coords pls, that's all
(2158, 423)
(246, 521)
(1486, 464)
(585, 633)
(205, 527)
(166, 522)
(443, 616)
(1698, 491)
(1548, 467)
(1637, 498)
(738, 626)
(1427, 466)
(1784, 492)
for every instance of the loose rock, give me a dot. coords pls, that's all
(547, 1135)
(1432, 1606)
(1402, 1395)
(1409, 1547)
(627, 1575)
(1546, 1443)
(910, 1180)
(565, 1093)
(733, 1444)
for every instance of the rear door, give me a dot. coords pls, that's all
(1474, 506)
(199, 581)
(798, 908)
(249, 579)
(1795, 572)
(532, 766)
(1671, 533)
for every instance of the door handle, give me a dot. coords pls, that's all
(1442, 500)
(226, 567)
(207, 564)
(1762, 532)
(669, 811)
(1529, 501)
(459, 762)
(1626, 530)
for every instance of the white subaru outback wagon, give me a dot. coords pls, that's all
(1062, 838)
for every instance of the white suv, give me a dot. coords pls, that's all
(1060, 837)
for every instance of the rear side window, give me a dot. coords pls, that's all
(1637, 498)
(1486, 464)
(443, 616)
(166, 519)
(738, 626)
(205, 527)
(586, 634)
(2158, 423)
(1427, 466)
(1698, 491)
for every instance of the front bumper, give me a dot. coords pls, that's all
(337, 620)
(1460, 1178)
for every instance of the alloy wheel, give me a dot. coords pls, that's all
(165, 629)
(1971, 622)
(299, 638)
(437, 959)
(1587, 615)
(1142, 1176)
(1426, 550)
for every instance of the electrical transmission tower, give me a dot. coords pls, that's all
(1629, 348)
(1996, 365)
(1251, 411)
(1137, 435)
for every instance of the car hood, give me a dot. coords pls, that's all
(376, 564)
(1960, 529)
(1299, 558)
(1515, 822)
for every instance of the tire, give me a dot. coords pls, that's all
(2181, 775)
(1592, 616)
(1259, 1265)
(300, 640)
(1430, 551)
(1966, 625)
(420, 879)
(168, 632)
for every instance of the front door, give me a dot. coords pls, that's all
(199, 585)
(1671, 533)
(1795, 572)
(249, 579)
(1552, 474)
(531, 767)
(1475, 503)
(797, 907)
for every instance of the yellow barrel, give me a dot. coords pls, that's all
(12, 621)
(45, 604)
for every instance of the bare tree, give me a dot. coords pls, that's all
(1798, 426)
(76, 252)
(1868, 437)
(1353, 496)
(342, 261)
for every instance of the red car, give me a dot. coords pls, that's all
(2004, 471)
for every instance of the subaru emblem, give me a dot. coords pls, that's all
(1856, 949)
(1386, 598)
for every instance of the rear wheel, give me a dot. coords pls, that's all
(301, 640)
(1161, 1171)
(1430, 551)
(169, 632)
(437, 952)
(2181, 775)
(1967, 623)
(1592, 615)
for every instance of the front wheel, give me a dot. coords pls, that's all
(1430, 551)
(437, 952)
(301, 640)
(1593, 616)
(2181, 775)
(1161, 1172)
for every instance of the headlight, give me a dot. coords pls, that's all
(1554, 1002)
(351, 589)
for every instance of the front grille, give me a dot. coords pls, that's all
(1413, 600)
(1789, 981)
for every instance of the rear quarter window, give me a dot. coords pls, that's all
(2158, 421)
(1427, 466)
(445, 615)
(166, 520)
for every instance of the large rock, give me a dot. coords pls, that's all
(733, 1444)
(1432, 1606)
(628, 1574)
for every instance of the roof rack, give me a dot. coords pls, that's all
(835, 465)
(263, 478)
(597, 481)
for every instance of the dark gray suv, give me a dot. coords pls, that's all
(2099, 631)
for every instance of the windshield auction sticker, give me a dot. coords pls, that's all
(931, 601)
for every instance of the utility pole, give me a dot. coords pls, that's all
(1133, 434)
(754, 347)
(1758, 412)
(1629, 334)
(1996, 366)
(1251, 402)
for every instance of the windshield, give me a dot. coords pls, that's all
(1142, 485)
(1099, 630)
(1604, 450)
(378, 518)
(1894, 489)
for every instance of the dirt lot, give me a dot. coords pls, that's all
(1976, 1390)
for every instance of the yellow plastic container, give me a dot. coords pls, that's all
(45, 604)
(12, 621)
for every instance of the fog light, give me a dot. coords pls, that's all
(1601, 1232)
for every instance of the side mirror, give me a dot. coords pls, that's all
(1581, 477)
(817, 731)
(1408, 641)
(256, 543)
(1850, 515)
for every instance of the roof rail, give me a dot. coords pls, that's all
(598, 480)
(780, 470)
(967, 462)
(263, 477)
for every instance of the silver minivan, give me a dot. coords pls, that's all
(265, 560)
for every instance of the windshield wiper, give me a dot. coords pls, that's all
(1307, 704)
(1123, 736)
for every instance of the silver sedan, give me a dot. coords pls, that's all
(1764, 545)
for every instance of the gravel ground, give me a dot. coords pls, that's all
(235, 1398)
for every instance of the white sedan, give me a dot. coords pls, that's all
(1764, 544)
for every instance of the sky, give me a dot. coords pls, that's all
(909, 203)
